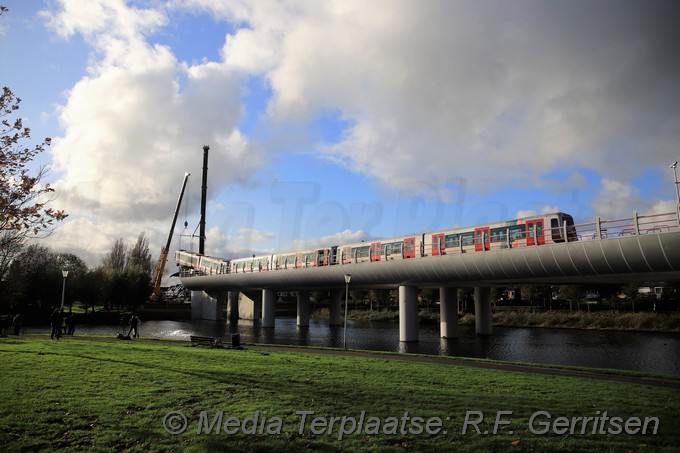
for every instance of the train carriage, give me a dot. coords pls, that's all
(528, 231)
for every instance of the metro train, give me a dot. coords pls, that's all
(529, 231)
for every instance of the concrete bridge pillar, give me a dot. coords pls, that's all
(250, 305)
(408, 313)
(448, 312)
(196, 304)
(268, 311)
(335, 308)
(207, 306)
(303, 308)
(232, 305)
(483, 311)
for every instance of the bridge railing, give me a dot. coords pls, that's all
(629, 226)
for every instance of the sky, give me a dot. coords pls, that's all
(331, 122)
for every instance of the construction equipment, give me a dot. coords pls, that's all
(156, 295)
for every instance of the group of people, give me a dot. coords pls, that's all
(61, 323)
(7, 321)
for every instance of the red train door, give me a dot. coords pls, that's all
(482, 239)
(409, 247)
(375, 251)
(438, 244)
(535, 232)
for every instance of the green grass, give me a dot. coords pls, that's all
(98, 394)
(584, 320)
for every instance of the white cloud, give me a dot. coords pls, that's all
(532, 212)
(435, 94)
(663, 207)
(343, 237)
(616, 199)
(488, 92)
(131, 129)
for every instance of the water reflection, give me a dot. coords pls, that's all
(656, 352)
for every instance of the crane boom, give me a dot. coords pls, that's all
(160, 267)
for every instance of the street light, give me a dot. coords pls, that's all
(344, 336)
(674, 166)
(63, 288)
(675, 180)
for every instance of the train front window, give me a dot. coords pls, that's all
(555, 231)
(571, 231)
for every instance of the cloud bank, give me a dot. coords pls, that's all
(430, 94)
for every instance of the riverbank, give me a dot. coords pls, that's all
(101, 394)
(644, 322)
(625, 321)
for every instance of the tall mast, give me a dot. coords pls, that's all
(204, 192)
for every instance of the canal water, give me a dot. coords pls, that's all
(641, 351)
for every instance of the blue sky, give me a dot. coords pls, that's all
(332, 121)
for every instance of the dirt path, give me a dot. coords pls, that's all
(444, 360)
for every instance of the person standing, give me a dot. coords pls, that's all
(18, 323)
(56, 321)
(70, 325)
(134, 322)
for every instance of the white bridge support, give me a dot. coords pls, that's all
(204, 306)
(448, 314)
(483, 310)
(335, 308)
(268, 309)
(250, 305)
(196, 304)
(408, 313)
(303, 308)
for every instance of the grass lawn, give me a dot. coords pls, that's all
(100, 394)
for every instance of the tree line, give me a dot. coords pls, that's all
(34, 281)
(626, 297)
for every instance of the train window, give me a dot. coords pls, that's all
(362, 252)
(467, 238)
(517, 232)
(556, 231)
(387, 249)
(451, 240)
(499, 234)
(571, 230)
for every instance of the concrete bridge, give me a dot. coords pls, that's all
(636, 249)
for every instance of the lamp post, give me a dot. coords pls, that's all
(344, 336)
(63, 288)
(674, 166)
